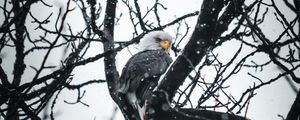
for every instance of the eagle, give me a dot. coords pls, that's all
(142, 71)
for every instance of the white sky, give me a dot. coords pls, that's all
(270, 101)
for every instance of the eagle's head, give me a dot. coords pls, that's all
(156, 40)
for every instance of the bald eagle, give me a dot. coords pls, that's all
(143, 70)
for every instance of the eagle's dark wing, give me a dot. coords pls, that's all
(142, 71)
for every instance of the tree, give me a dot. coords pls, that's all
(218, 23)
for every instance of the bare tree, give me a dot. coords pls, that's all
(219, 22)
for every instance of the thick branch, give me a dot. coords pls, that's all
(3, 77)
(203, 37)
(294, 112)
(19, 65)
(109, 61)
(111, 73)
(207, 31)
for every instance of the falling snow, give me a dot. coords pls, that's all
(165, 107)
(151, 111)
(146, 75)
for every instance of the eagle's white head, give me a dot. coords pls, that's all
(156, 40)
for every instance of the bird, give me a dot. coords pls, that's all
(142, 71)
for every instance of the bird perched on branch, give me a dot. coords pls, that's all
(143, 70)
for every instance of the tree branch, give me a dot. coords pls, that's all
(294, 112)
(196, 48)
(204, 36)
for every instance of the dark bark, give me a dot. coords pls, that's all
(215, 16)
(294, 113)
(19, 66)
(111, 73)
(159, 109)
(199, 43)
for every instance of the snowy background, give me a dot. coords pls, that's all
(270, 101)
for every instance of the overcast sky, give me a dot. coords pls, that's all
(266, 105)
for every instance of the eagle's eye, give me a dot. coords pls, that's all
(157, 39)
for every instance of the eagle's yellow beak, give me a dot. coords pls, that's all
(165, 44)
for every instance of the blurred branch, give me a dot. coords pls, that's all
(83, 84)
(139, 16)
